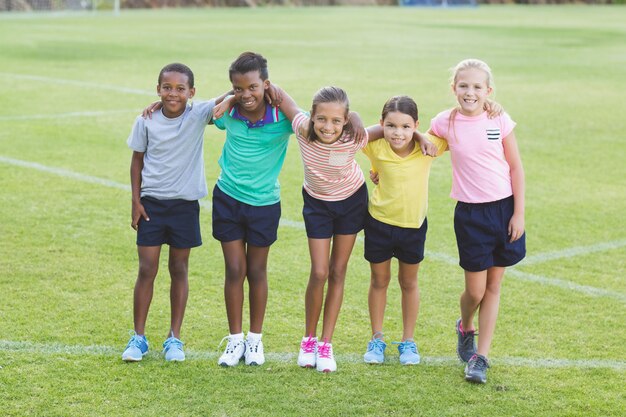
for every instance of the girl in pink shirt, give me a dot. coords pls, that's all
(488, 183)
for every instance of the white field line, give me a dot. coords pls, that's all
(572, 252)
(352, 358)
(67, 115)
(91, 85)
(584, 289)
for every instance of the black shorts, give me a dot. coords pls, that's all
(175, 222)
(324, 219)
(384, 241)
(482, 235)
(234, 220)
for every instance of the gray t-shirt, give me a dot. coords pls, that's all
(173, 164)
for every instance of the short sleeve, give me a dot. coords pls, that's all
(298, 121)
(506, 124)
(138, 138)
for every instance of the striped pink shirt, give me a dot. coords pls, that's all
(330, 171)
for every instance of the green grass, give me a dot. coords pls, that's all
(68, 259)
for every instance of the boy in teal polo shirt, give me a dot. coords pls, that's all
(246, 201)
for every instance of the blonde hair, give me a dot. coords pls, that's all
(462, 66)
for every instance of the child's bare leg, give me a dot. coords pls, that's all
(319, 250)
(342, 248)
(142, 297)
(179, 289)
(488, 313)
(235, 274)
(377, 295)
(407, 277)
(257, 282)
(475, 284)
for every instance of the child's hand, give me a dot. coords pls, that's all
(516, 227)
(223, 107)
(493, 109)
(374, 176)
(138, 212)
(273, 95)
(147, 112)
(428, 148)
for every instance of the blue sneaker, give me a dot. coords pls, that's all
(408, 352)
(375, 349)
(136, 348)
(173, 349)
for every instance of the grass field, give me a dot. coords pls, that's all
(72, 87)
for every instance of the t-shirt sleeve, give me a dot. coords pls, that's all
(438, 125)
(441, 144)
(220, 123)
(506, 124)
(299, 121)
(206, 109)
(138, 138)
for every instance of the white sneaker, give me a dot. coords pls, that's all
(235, 349)
(308, 351)
(254, 352)
(326, 358)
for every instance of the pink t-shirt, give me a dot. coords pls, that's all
(480, 172)
(330, 171)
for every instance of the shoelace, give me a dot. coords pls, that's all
(135, 340)
(408, 344)
(230, 346)
(478, 362)
(377, 345)
(173, 342)
(325, 350)
(308, 345)
(254, 345)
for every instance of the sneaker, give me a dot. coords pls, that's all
(476, 369)
(173, 349)
(234, 351)
(254, 352)
(325, 357)
(136, 348)
(375, 349)
(308, 352)
(465, 347)
(408, 352)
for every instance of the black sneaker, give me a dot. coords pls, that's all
(465, 347)
(476, 369)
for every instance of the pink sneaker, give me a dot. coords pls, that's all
(308, 351)
(325, 358)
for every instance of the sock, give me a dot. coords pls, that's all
(236, 337)
(254, 336)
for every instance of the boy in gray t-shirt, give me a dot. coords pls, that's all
(167, 180)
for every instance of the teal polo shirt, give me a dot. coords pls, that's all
(253, 156)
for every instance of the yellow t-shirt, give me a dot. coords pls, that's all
(401, 196)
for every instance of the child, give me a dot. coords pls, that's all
(167, 179)
(246, 201)
(335, 204)
(396, 224)
(488, 183)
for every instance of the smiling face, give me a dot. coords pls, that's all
(329, 120)
(471, 88)
(249, 91)
(398, 130)
(174, 91)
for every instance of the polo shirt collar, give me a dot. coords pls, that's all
(271, 116)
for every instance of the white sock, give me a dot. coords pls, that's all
(236, 337)
(254, 336)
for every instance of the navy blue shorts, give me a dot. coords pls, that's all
(323, 219)
(175, 222)
(482, 235)
(234, 220)
(384, 241)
